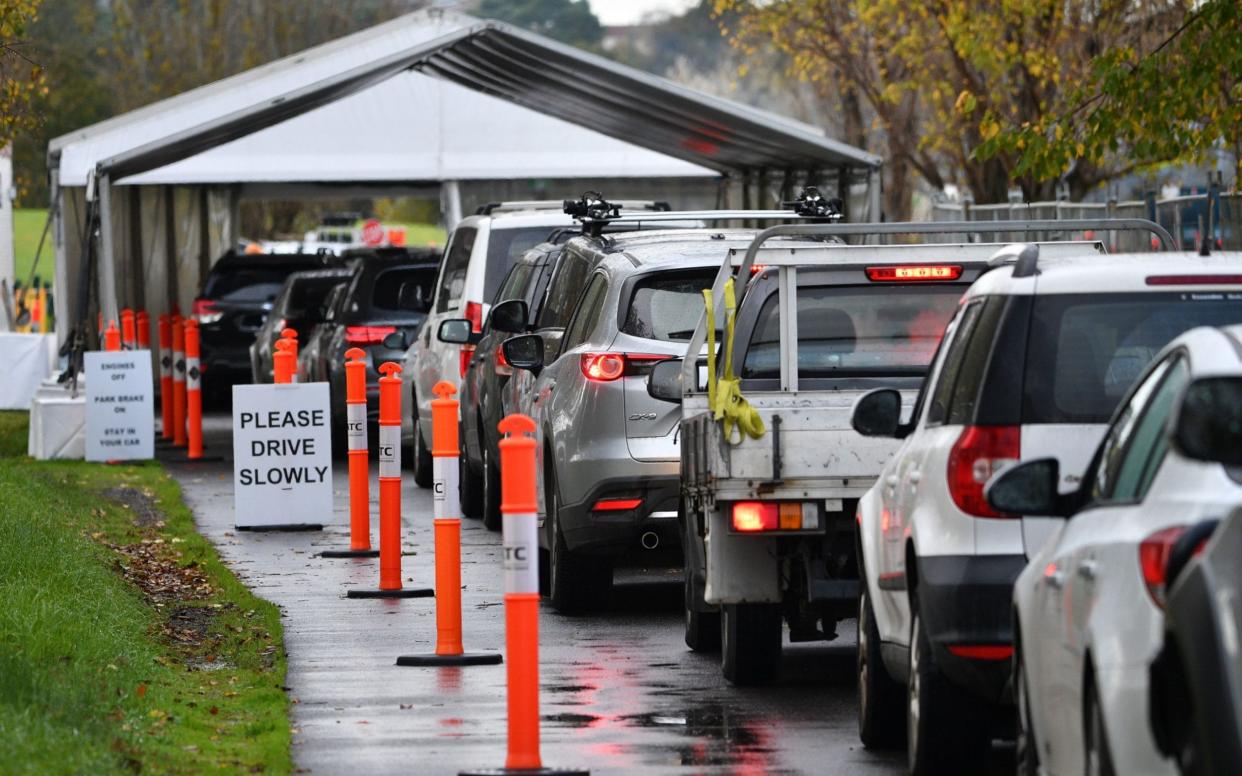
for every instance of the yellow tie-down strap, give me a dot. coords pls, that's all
(724, 394)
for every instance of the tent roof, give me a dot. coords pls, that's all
(358, 109)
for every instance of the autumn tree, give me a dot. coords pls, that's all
(931, 82)
(21, 77)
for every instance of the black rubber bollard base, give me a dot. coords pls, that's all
(405, 592)
(292, 527)
(202, 459)
(464, 659)
(526, 772)
(349, 554)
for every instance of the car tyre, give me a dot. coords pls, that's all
(1027, 750)
(471, 493)
(491, 491)
(421, 459)
(750, 642)
(702, 627)
(1097, 760)
(880, 708)
(576, 583)
(944, 731)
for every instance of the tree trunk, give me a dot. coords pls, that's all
(898, 188)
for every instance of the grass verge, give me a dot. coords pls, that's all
(125, 643)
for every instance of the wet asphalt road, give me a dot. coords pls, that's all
(620, 692)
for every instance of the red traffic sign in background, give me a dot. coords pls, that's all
(373, 232)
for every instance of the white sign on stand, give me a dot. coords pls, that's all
(282, 455)
(120, 413)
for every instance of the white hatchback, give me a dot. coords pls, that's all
(1089, 607)
(1034, 363)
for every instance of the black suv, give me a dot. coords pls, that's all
(236, 298)
(386, 301)
(298, 306)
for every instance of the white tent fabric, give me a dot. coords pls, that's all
(412, 127)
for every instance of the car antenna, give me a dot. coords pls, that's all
(815, 206)
(593, 211)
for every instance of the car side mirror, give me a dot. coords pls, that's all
(525, 352)
(396, 341)
(664, 381)
(878, 414)
(457, 331)
(510, 316)
(1028, 488)
(1208, 423)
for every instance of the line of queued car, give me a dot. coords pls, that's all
(1063, 455)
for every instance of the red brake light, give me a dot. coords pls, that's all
(1194, 280)
(203, 306)
(606, 367)
(914, 272)
(474, 314)
(752, 516)
(367, 335)
(982, 651)
(467, 353)
(616, 504)
(979, 453)
(1154, 560)
(755, 269)
(503, 367)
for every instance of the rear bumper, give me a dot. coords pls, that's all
(617, 532)
(966, 601)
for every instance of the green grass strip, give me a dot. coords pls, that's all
(125, 644)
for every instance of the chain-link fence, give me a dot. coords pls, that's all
(1188, 219)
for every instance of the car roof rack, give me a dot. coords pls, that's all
(514, 206)
(810, 207)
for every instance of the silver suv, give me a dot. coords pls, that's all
(609, 451)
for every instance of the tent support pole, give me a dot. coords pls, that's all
(107, 256)
(204, 235)
(450, 204)
(170, 248)
(64, 319)
(137, 270)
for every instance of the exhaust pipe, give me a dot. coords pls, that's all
(650, 540)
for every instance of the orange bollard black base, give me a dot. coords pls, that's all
(526, 772)
(403, 592)
(291, 528)
(349, 554)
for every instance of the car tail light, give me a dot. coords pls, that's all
(914, 273)
(982, 651)
(474, 314)
(1154, 552)
(755, 269)
(367, 335)
(463, 364)
(620, 504)
(759, 516)
(606, 367)
(1194, 280)
(503, 367)
(205, 311)
(980, 452)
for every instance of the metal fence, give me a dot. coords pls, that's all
(1187, 218)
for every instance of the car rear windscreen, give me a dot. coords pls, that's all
(856, 331)
(503, 248)
(403, 291)
(1085, 350)
(667, 306)
(248, 284)
(307, 294)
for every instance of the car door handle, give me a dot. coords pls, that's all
(891, 480)
(1086, 569)
(915, 477)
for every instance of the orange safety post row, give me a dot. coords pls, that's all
(129, 337)
(178, 340)
(390, 491)
(143, 322)
(446, 497)
(359, 462)
(193, 390)
(112, 337)
(283, 362)
(166, 376)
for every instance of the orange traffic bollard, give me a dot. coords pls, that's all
(390, 491)
(447, 498)
(292, 336)
(178, 339)
(283, 362)
(143, 322)
(112, 337)
(359, 459)
(193, 390)
(166, 377)
(129, 338)
(518, 508)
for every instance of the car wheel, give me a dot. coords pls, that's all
(491, 491)
(944, 731)
(702, 628)
(471, 493)
(576, 583)
(750, 642)
(1027, 751)
(1097, 761)
(422, 459)
(879, 697)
